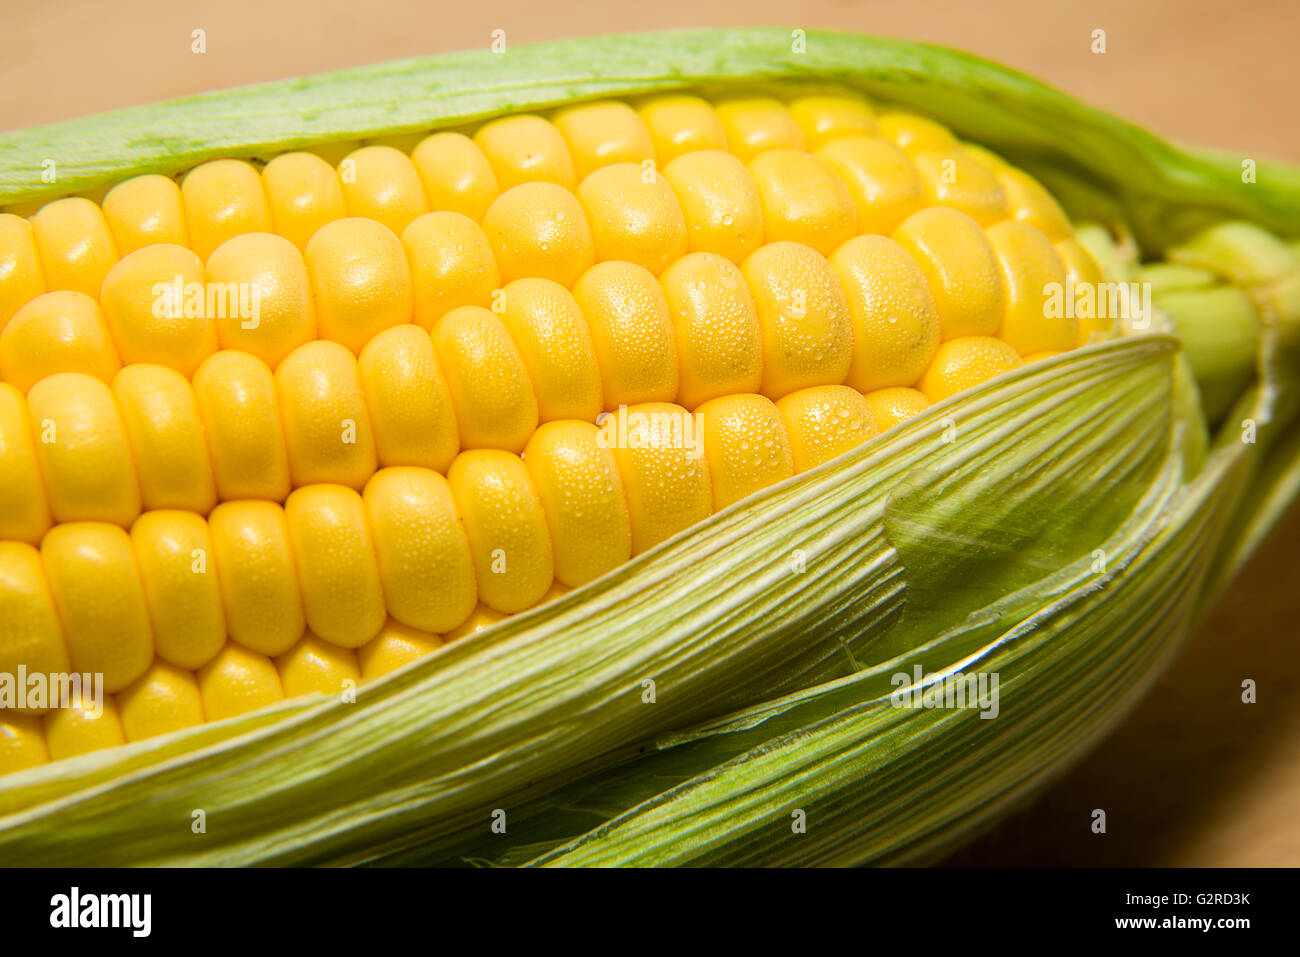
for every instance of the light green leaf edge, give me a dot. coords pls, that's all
(1098, 163)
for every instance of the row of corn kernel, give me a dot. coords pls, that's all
(151, 611)
(97, 599)
(360, 283)
(74, 244)
(945, 242)
(256, 293)
(500, 530)
(298, 193)
(76, 449)
(787, 318)
(539, 229)
(168, 698)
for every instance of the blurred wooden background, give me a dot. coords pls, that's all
(1193, 777)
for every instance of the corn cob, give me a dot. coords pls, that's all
(927, 294)
(755, 293)
(617, 338)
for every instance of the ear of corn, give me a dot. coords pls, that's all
(866, 265)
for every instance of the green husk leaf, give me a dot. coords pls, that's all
(1219, 329)
(1108, 483)
(881, 783)
(888, 785)
(1095, 162)
(1265, 417)
(559, 690)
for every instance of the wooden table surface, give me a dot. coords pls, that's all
(1193, 777)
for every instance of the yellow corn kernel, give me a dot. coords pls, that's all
(826, 117)
(825, 421)
(424, 556)
(75, 246)
(360, 280)
(989, 160)
(155, 305)
(602, 133)
(720, 202)
(634, 216)
(490, 389)
(884, 184)
(173, 552)
(746, 446)
(24, 509)
(680, 124)
(162, 424)
(1030, 266)
(21, 276)
(381, 183)
(165, 698)
(895, 321)
(257, 575)
(964, 363)
(408, 399)
(241, 422)
(525, 149)
(663, 468)
(954, 179)
(395, 646)
(758, 123)
(83, 451)
(631, 332)
(22, 742)
(303, 194)
(719, 339)
(56, 332)
(265, 273)
(576, 477)
(451, 265)
(97, 592)
(223, 198)
(145, 210)
(455, 174)
(916, 134)
(807, 327)
(1081, 269)
(546, 324)
(957, 259)
(327, 429)
(83, 727)
(337, 568)
(313, 665)
(539, 230)
(1030, 203)
(482, 617)
(803, 200)
(508, 537)
(32, 636)
(238, 681)
(896, 404)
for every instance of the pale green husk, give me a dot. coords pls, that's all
(1062, 526)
